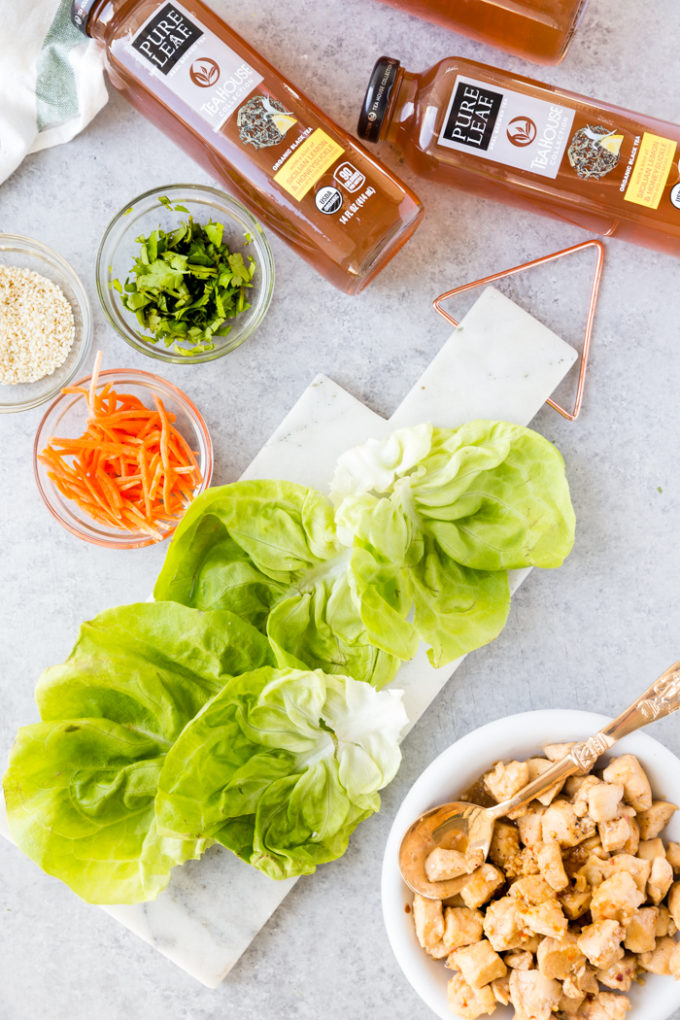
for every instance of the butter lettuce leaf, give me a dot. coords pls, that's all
(281, 766)
(81, 785)
(449, 512)
(268, 551)
(80, 803)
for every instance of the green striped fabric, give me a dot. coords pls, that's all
(51, 79)
(56, 93)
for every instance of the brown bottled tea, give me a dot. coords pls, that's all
(539, 30)
(181, 66)
(513, 139)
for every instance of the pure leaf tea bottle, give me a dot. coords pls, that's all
(305, 178)
(539, 30)
(507, 137)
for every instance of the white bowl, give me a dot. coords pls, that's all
(515, 736)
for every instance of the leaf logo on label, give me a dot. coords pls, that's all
(521, 131)
(204, 72)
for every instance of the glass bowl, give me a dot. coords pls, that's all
(27, 253)
(67, 417)
(144, 214)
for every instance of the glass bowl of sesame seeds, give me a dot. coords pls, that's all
(45, 323)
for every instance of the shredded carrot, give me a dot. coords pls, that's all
(131, 469)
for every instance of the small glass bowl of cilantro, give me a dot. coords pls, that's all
(185, 273)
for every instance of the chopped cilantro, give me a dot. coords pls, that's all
(185, 285)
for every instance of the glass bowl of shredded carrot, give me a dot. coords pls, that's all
(119, 456)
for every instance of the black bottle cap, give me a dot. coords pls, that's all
(80, 13)
(377, 98)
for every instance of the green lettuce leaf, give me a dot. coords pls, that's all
(440, 515)
(267, 551)
(281, 766)
(80, 803)
(81, 785)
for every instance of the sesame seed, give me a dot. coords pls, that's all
(36, 326)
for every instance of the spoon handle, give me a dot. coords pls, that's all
(659, 700)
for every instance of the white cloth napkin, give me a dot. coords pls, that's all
(51, 79)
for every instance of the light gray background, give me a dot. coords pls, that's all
(591, 635)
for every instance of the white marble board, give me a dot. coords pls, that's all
(499, 363)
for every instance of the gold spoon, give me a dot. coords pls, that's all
(470, 827)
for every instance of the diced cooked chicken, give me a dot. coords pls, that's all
(533, 995)
(519, 959)
(545, 918)
(549, 859)
(664, 922)
(481, 885)
(617, 898)
(673, 855)
(467, 1002)
(523, 863)
(578, 788)
(659, 959)
(627, 771)
(603, 801)
(605, 1006)
(503, 925)
(569, 1004)
(637, 868)
(620, 833)
(582, 981)
(574, 784)
(537, 766)
(504, 844)
(601, 943)
(501, 990)
(674, 962)
(441, 864)
(575, 902)
(674, 903)
(462, 927)
(660, 879)
(557, 958)
(597, 858)
(530, 825)
(479, 963)
(506, 779)
(530, 890)
(561, 824)
(428, 917)
(651, 848)
(641, 931)
(555, 752)
(620, 975)
(655, 818)
(595, 869)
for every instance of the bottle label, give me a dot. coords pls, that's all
(507, 127)
(264, 132)
(304, 167)
(651, 171)
(186, 61)
(193, 64)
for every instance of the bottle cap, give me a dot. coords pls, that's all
(80, 13)
(377, 98)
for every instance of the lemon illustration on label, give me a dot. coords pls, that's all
(283, 122)
(612, 143)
